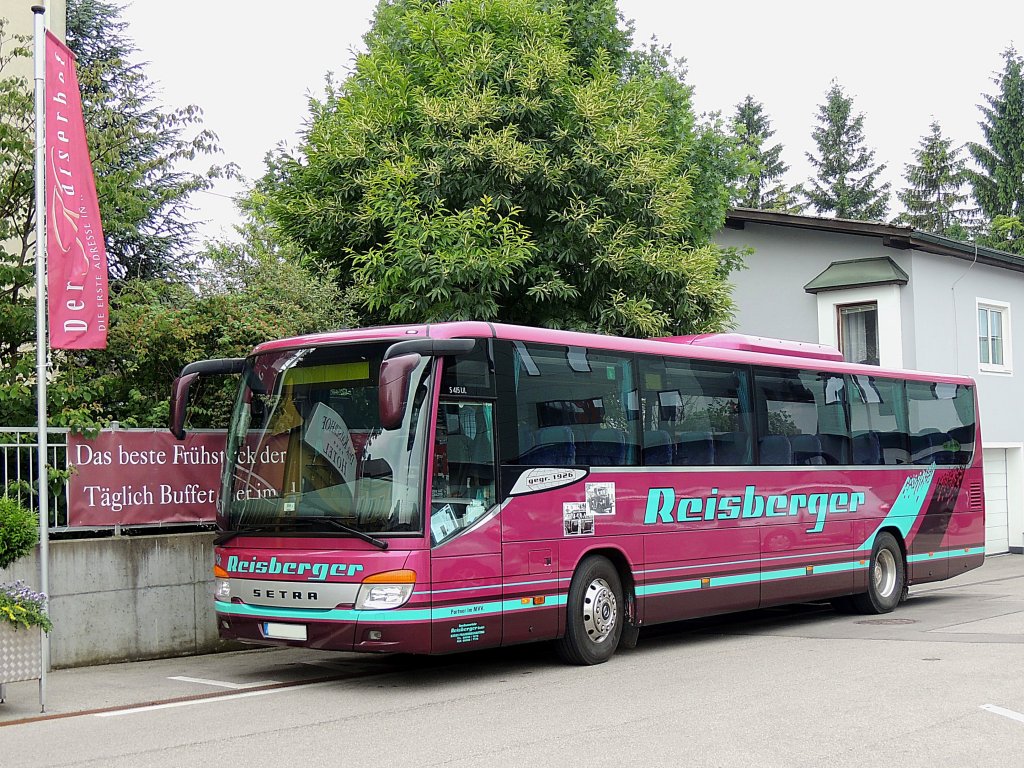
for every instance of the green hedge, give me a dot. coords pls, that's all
(19, 531)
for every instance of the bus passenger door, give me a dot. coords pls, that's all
(466, 600)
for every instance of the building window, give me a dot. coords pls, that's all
(993, 336)
(858, 332)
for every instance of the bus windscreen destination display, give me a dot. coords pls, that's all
(499, 484)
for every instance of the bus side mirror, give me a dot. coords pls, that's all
(393, 388)
(191, 372)
(179, 402)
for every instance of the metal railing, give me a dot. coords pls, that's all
(19, 448)
(19, 479)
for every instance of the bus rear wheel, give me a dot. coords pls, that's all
(887, 578)
(595, 613)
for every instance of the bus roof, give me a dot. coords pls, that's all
(723, 347)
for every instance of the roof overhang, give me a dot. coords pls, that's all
(891, 235)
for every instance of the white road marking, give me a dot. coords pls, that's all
(222, 684)
(1019, 717)
(210, 700)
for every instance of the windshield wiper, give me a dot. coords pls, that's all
(225, 536)
(334, 522)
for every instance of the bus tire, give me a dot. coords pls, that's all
(594, 613)
(887, 577)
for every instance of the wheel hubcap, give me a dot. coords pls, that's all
(600, 611)
(884, 573)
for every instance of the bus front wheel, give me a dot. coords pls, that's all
(595, 613)
(887, 577)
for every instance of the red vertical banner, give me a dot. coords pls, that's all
(76, 277)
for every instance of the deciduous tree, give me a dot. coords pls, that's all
(17, 203)
(512, 160)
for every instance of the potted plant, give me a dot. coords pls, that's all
(22, 612)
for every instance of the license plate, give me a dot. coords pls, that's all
(278, 631)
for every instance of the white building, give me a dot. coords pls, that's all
(897, 297)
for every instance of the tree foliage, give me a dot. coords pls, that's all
(998, 180)
(249, 291)
(512, 160)
(17, 202)
(138, 147)
(934, 198)
(761, 185)
(19, 531)
(846, 177)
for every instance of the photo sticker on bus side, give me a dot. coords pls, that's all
(601, 498)
(577, 519)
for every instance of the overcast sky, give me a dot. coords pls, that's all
(251, 64)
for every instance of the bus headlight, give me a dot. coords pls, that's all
(389, 589)
(223, 591)
(221, 585)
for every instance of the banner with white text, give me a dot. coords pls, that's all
(143, 477)
(76, 271)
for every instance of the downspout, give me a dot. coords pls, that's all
(956, 331)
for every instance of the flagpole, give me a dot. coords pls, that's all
(39, 61)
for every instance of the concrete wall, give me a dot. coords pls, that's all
(122, 598)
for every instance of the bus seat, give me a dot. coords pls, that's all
(659, 449)
(695, 449)
(553, 446)
(962, 438)
(924, 445)
(732, 448)
(806, 449)
(776, 450)
(604, 447)
(936, 450)
(866, 449)
(834, 448)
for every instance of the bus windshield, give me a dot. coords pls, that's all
(306, 451)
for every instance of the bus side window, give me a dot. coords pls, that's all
(878, 420)
(802, 417)
(941, 421)
(695, 413)
(565, 405)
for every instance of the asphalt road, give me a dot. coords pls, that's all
(938, 683)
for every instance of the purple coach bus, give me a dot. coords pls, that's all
(446, 487)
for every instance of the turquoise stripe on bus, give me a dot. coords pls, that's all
(334, 614)
(493, 607)
(907, 507)
(461, 611)
(945, 554)
(788, 573)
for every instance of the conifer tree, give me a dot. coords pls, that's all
(998, 181)
(138, 149)
(846, 174)
(934, 197)
(760, 186)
